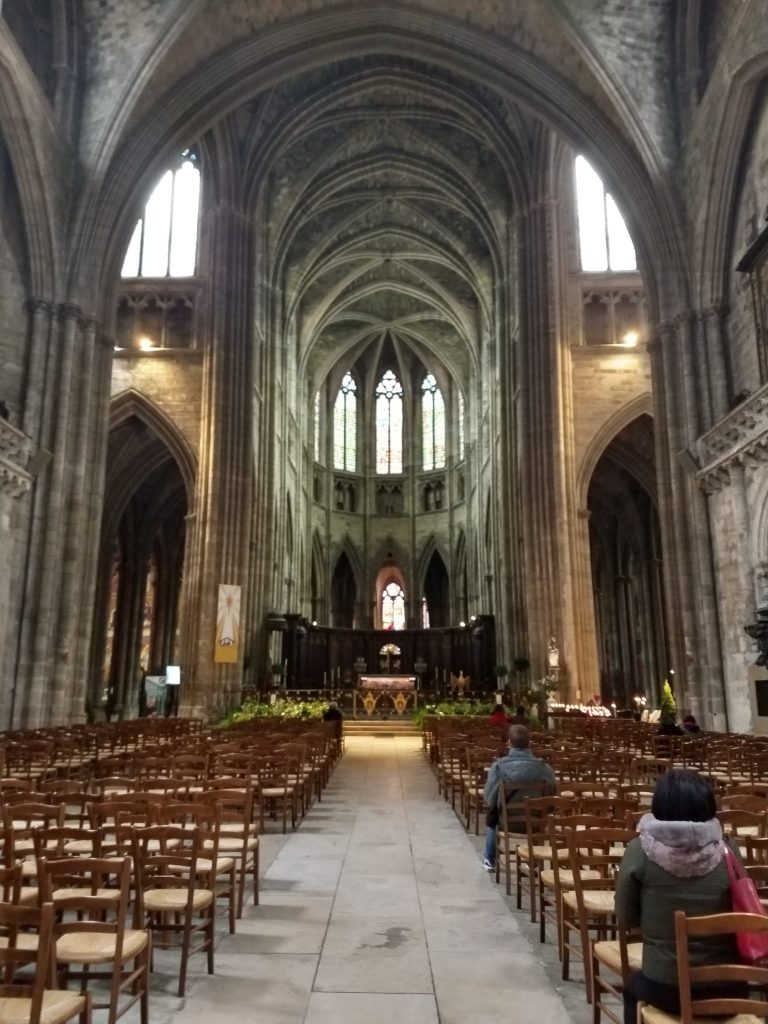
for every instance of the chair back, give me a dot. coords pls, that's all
(16, 921)
(690, 930)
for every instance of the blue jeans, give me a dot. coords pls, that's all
(490, 844)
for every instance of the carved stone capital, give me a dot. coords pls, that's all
(739, 439)
(14, 481)
(15, 446)
(41, 306)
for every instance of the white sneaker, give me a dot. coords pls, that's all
(488, 864)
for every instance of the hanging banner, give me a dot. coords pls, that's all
(227, 647)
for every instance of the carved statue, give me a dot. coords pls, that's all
(758, 630)
(553, 655)
(460, 683)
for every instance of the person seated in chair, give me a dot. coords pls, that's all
(676, 863)
(519, 765)
(520, 717)
(332, 713)
(499, 716)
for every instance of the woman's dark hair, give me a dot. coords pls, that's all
(683, 796)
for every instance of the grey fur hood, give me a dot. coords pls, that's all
(686, 849)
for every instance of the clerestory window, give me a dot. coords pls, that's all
(604, 240)
(389, 424)
(345, 426)
(432, 424)
(164, 241)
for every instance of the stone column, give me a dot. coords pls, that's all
(540, 439)
(47, 549)
(219, 544)
(690, 584)
(15, 483)
(718, 371)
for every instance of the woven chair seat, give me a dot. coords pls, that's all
(541, 853)
(596, 901)
(566, 877)
(98, 947)
(653, 1016)
(58, 1006)
(166, 900)
(608, 952)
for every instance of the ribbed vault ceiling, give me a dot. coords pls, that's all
(386, 190)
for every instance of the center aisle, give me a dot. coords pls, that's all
(376, 910)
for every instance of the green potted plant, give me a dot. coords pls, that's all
(668, 706)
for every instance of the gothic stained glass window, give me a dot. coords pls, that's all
(345, 426)
(316, 425)
(164, 241)
(461, 425)
(603, 237)
(393, 606)
(432, 424)
(389, 424)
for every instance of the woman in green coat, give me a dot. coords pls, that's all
(676, 863)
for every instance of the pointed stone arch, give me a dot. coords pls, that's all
(149, 486)
(345, 592)
(434, 585)
(610, 429)
(133, 402)
(729, 140)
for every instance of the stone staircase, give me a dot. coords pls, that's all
(380, 727)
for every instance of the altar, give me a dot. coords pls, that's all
(385, 693)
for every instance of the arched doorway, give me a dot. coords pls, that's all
(343, 593)
(627, 569)
(136, 632)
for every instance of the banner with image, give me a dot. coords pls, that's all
(227, 648)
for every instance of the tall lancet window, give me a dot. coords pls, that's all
(345, 426)
(603, 237)
(389, 424)
(393, 606)
(432, 424)
(461, 412)
(164, 241)
(316, 426)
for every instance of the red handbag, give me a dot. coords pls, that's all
(752, 946)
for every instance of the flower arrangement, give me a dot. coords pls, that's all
(282, 707)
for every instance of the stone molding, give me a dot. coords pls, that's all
(739, 440)
(15, 451)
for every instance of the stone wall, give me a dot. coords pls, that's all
(171, 380)
(752, 218)
(606, 380)
(13, 292)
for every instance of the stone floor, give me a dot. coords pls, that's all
(376, 910)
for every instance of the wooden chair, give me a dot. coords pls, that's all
(91, 899)
(21, 821)
(237, 836)
(473, 803)
(726, 1008)
(557, 879)
(510, 831)
(205, 819)
(739, 824)
(531, 856)
(273, 791)
(35, 1001)
(620, 957)
(594, 856)
(177, 899)
(648, 770)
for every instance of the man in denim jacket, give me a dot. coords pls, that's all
(519, 765)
